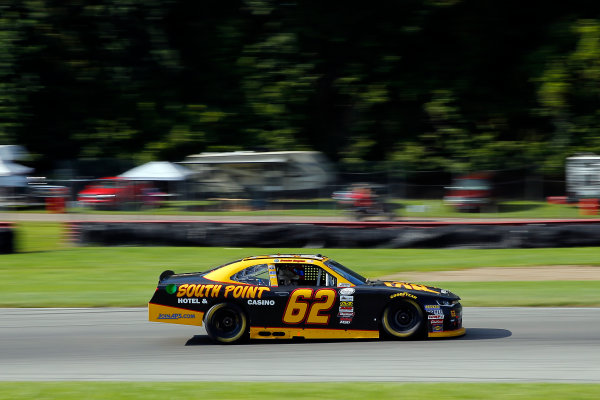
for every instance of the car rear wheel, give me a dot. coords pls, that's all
(403, 320)
(226, 323)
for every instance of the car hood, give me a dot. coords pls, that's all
(415, 288)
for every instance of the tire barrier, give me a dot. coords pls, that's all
(7, 239)
(299, 235)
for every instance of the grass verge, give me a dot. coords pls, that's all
(421, 208)
(266, 391)
(48, 273)
(126, 276)
(526, 294)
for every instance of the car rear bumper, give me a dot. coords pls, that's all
(174, 315)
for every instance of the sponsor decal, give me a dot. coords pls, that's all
(276, 260)
(273, 276)
(346, 309)
(244, 292)
(261, 302)
(175, 316)
(437, 328)
(193, 300)
(403, 294)
(452, 313)
(410, 286)
(292, 261)
(430, 306)
(436, 318)
(185, 300)
(226, 291)
(171, 289)
(346, 314)
(343, 284)
(439, 313)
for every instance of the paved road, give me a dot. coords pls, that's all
(502, 344)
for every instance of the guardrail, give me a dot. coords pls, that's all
(331, 234)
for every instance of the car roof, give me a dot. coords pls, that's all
(279, 255)
(225, 272)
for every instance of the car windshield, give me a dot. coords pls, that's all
(348, 274)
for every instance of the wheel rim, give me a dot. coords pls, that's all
(404, 318)
(227, 323)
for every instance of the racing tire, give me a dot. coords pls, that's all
(226, 323)
(403, 320)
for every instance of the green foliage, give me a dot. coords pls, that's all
(9, 91)
(436, 85)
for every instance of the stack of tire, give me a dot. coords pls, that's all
(7, 239)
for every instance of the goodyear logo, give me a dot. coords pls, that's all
(403, 294)
(226, 291)
(410, 286)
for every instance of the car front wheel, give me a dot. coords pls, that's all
(403, 320)
(226, 323)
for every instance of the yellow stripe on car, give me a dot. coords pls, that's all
(174, 315)
(458, 332)
(310, 333)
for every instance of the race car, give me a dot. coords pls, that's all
(288, 296)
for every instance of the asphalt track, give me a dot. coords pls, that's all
(502, 344)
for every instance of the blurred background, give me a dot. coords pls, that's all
(419, 108)
(299, 111)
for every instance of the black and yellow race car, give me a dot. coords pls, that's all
(288, 296)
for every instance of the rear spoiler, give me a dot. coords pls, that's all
(165, 275)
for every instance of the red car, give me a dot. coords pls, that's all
(470, 192)
(115, 191)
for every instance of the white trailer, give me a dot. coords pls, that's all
(272, 172)
(583, 176)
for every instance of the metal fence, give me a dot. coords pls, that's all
(190, 195)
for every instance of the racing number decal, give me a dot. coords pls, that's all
(306, 301)
(297, 305)
(323, 301)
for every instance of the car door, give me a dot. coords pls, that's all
(311, 295)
